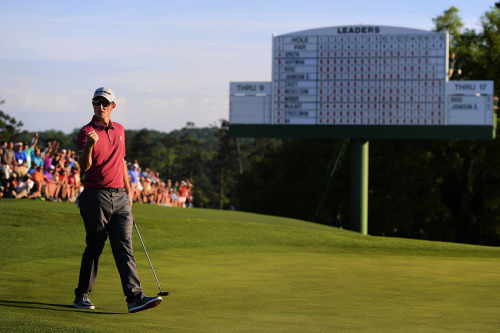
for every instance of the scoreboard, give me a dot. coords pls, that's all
(362, 82)
(359, 75)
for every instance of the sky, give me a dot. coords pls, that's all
(168, 62)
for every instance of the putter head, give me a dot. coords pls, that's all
(163, 293)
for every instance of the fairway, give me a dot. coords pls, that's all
(240, 272)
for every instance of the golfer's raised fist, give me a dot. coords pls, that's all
(92, 138)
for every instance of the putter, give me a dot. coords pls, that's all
(161, 293)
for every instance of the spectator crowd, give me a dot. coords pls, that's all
(53, 174)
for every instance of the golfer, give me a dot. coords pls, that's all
(105, 204)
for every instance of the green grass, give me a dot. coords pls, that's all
(240, 272)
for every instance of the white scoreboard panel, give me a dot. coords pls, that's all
(360, 75)
(250, 102)
(470, 103)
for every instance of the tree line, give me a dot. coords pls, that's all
(445, 190)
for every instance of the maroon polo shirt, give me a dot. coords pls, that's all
(107, 155)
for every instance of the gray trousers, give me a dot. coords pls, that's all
(107, 213)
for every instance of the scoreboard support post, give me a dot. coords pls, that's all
(359, 185)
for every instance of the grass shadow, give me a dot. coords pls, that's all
(52, 307)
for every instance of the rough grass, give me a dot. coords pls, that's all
(240, 272)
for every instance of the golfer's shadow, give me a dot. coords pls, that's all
(49, 306)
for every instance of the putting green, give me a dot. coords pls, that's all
(240, 272)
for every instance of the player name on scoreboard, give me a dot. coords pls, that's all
(360, 75)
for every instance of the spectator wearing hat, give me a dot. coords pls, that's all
(21, 168)
(134, 175)
(19, 153)
(135, 185)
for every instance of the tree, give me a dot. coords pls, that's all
(10, 128)
(488, 48)
(188, 155)
(170, 144)
(146, 147)
(226, 163)
(286, 176)
(458, 201)
(450, 21)
(142, 148)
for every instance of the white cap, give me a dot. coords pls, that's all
(106, 93)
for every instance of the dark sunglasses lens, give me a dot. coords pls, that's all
(97, 103)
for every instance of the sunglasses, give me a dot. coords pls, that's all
(103, 103)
